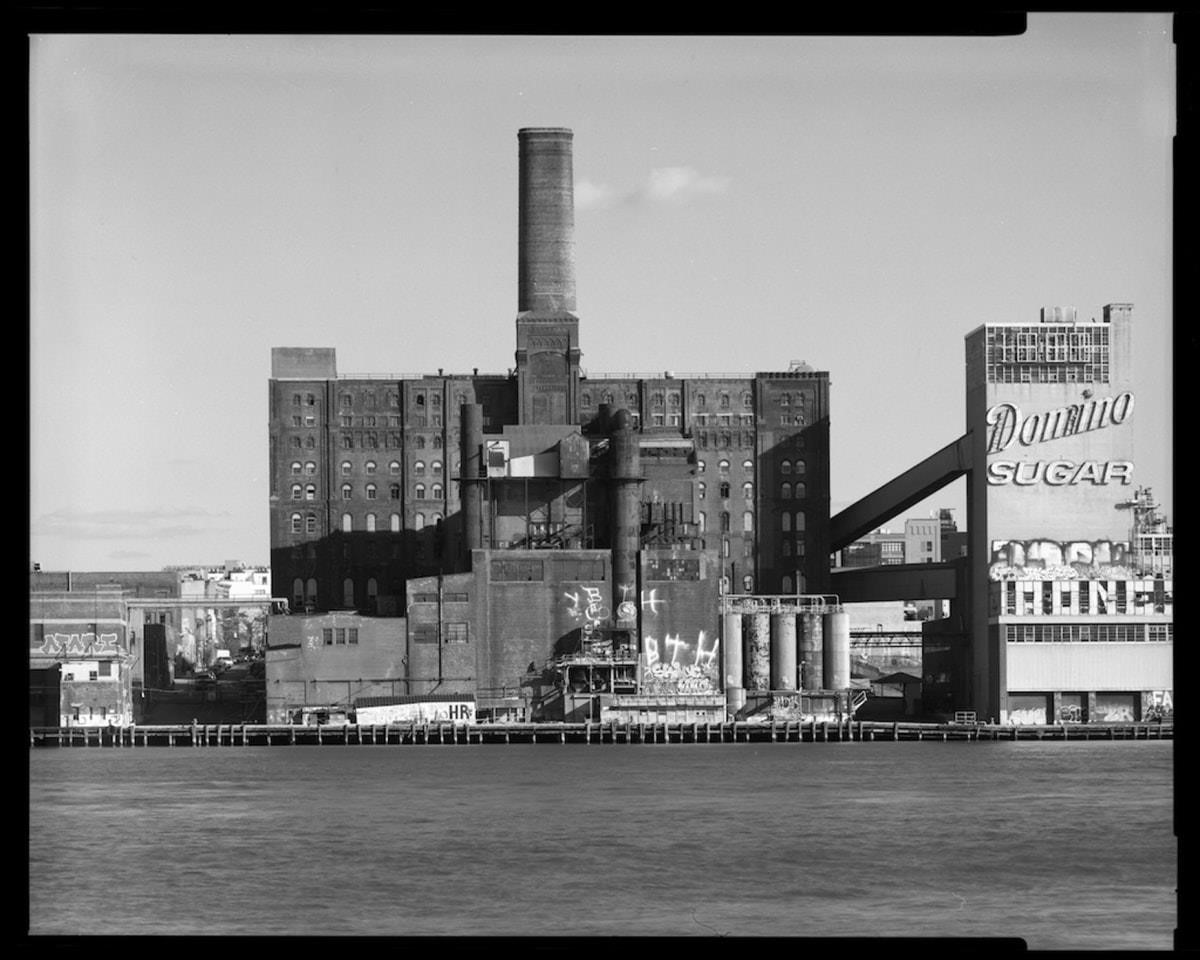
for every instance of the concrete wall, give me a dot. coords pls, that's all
(1089, 666)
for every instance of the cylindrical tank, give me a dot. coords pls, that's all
(812, 650)
(758, 665)
(783, 651)
(731, 650)
(471, 476)
(837, 651)
(626, 505)
(545, 221)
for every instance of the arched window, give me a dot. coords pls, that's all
(800, 467)
(799, 521)
(436, 519)
(748, 491)
(310, 591)
(370, 466)
(347, 592)
(347, 400)
(801, 491)
(748, 466)
(295, 467)
(701, 400)
(586, 399)
(701, 489)
(310, 492)
(347, 491)
(724, 521)
(799, 548)
(785, 467)
(437, 443)
(395, 523)
(436, 491)
(370, 523)
(747, 400)
(723, 467)
(394, 467)
(297, 520)
(310, 443)
(347, 523)
(310, 468)
(419, 522)
(420, 491)
(699, 466)
(419, 442)
(700, 519)
(346, 468)
(725, 548)
(310, 523)
(787, 585)
(297, 492)
(726, 441)
(786, 548)
(748, 522)
(436, 468)
(673, 401)
(606, 397)
(657, 398)
(372, 592)
(747, 584)
(394, 491)
(724, 489)
(724, 401)
(419, 468)
(785, 523)
(298, 592)
(785, 491)
(371, 491)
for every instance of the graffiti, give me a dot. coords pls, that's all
(651, 599)
(314, 642)
(1030, 715)
(84, 644)
(1158, 705)
(680, 673)
(1070, 713)
(1060, 560)
(586, 609)
(1114, 712)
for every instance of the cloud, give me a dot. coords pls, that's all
(126, 524)
(662, 185)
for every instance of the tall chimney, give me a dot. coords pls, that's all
(546, 221)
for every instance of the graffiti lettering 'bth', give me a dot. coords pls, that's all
(59, 644)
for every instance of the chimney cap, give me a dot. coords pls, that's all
(545, 132)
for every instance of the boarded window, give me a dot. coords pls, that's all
(517, 570)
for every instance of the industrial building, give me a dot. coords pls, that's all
(472, 530)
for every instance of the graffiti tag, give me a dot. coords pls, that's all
(59, 644)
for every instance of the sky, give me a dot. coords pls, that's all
(860, 204)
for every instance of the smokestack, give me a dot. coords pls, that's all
(546, 221)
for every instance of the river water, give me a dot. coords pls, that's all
(1065, 844)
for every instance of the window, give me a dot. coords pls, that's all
(785, 491)
(296, 521)
(346, 468)
(295, 399)
(347, 491)
(785, 523)
(327, 636)
(724, 401)
(701, 489)
(346, 400)
(747, 584)
(419, 468)
(725, 547)
(310, 443)
(700, 520)
(420, 491)
(724, 521)
(748, 522)
(799, 521)
(395, 523)
(310, 468)
(310, 523)
(786, 586)
(310, 492)
(347, 523)
(724, 489)
(785, 467)
(370, 466)
(370, 523)
(801, 491)
(310, 590)
(419, 521)
(394, 467)
(786, 548)
(455, 633)
(699, 466)
(298, 592)
(371, 491)
(295, 442)
(436, 491)
(800, 467)
(297, 493)
(394, 491)
(295, 468)
(348, 601)
(748, 466)
(723, 467)
(436, 468)
(747, 491)
(701, 400)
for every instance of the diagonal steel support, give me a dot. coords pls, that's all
(897, 495)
